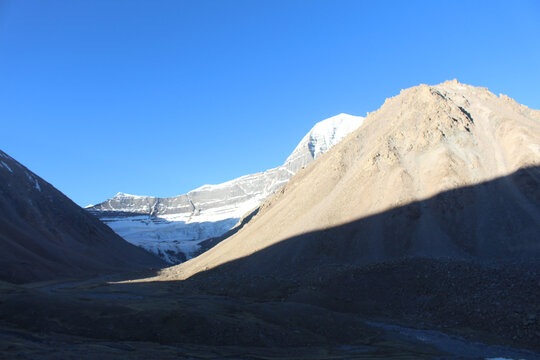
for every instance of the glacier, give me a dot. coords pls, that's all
(174, 227)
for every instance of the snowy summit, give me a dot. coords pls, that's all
(174, 227)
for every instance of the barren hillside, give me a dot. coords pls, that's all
(445, 171)
(44, 235)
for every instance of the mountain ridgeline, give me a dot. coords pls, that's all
(416, 236)
(45, 236)
(174, 227)
(446, 171)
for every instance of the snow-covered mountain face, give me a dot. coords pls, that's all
(320, 139)
(174, 227)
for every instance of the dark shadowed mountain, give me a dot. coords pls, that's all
(300, 298)
(44, 235)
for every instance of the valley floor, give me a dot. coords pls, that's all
(410, 309)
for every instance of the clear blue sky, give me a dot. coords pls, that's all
(160, 97)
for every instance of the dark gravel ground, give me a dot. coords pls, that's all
(322, 308)
(493, 302)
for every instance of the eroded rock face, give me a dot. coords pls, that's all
(173, 227)
(45, 236)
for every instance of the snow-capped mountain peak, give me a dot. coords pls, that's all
(321, 138)
(121, 195)
(173, 227)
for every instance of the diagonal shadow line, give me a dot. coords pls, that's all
(496, 220)
(320, 280)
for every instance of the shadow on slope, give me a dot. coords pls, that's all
(464, 259)
(496, 220)
(318, 288)
(211, 242)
